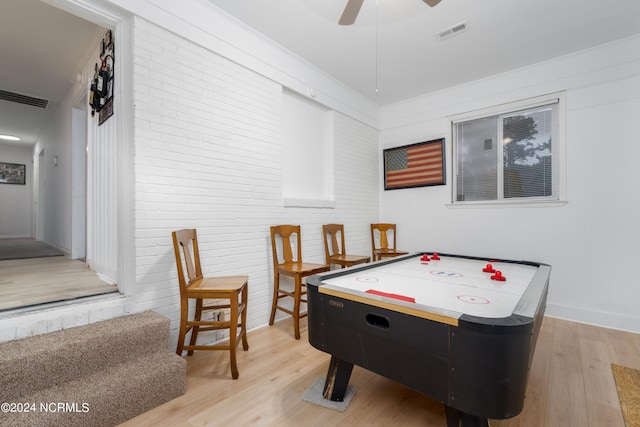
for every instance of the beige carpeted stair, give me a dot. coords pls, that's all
(100, 374)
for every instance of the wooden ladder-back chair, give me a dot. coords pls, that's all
(383, 249)
(232, 290)
(292, 266)
(336, 253)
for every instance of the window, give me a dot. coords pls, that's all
(308, 152)
(508, 154)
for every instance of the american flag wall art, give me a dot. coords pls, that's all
(415, 165)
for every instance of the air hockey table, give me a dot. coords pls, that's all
(459, 329)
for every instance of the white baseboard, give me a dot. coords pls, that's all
(597, 318)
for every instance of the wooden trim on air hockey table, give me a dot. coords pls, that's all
(436, 317)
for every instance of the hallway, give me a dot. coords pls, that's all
(36, 281)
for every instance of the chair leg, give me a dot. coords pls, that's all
(296, 306)
(276, 291)
(243, 318)
(194, 331)
(184, 314)
(233, 334)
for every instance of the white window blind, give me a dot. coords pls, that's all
(308, 152)
(508, 156)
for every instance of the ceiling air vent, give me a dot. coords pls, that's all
(23, 99)
(451, 31)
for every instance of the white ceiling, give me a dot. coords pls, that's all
(389, 54)
(40, 49)
(393, 47)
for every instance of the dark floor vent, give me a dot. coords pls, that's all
(23, 99)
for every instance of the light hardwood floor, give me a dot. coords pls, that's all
(570, 384)
(33, 281)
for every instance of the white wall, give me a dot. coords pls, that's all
(206, 25)
(592, 241)
(16, 200)
(55, 139)
(207, 143)
(209, 155)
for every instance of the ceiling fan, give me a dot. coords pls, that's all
(353, 7)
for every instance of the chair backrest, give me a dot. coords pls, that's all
(383, 230)
(284, 234)
(330, 232)
(185, 247)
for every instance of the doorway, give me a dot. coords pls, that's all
(79, 181)
(39, 198)
(68, 187)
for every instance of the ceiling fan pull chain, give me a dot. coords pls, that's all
(377, 40)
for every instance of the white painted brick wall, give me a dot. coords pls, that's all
(209, 157)
(22, 325)
(208, 152)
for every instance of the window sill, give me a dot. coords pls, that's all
(308, 203)
(502, 204)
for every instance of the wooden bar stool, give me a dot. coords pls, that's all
(233, 290)
(382, 249)
(290, 266)
(336, 253)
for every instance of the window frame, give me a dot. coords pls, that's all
(322, 117)
(558, 199)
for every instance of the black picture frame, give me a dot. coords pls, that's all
(13, 173)
(415, 165)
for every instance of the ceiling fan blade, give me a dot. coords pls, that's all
(432, 2)
(351, 12)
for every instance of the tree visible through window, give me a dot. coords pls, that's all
(508, 156)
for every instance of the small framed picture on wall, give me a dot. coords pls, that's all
(12, 173)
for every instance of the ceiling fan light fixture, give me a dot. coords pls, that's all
(452, 31)
(10, 138)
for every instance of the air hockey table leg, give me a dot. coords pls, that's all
(457, 418)
(335, 385)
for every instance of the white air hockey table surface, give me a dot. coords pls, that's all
(445, 288)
